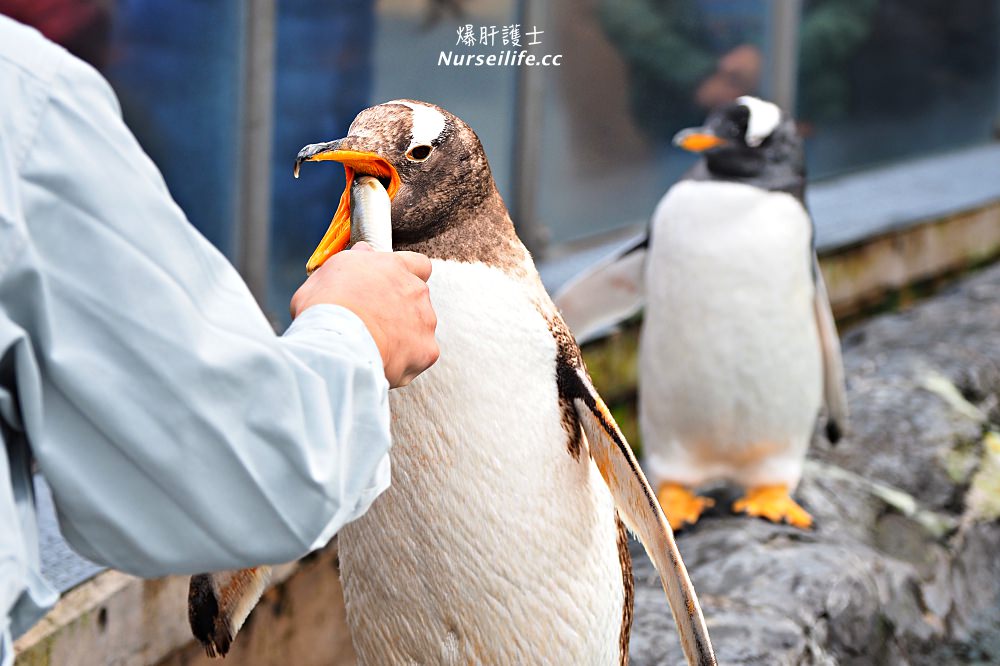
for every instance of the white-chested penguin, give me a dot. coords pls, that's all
(738, 345)
(501, 539)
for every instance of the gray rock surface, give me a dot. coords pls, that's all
(903, 566)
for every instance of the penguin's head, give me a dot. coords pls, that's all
(745, 138)
(428, 160)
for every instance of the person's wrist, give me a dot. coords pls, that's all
(381, 341)
(378, 334)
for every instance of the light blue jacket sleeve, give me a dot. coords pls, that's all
(178, 433)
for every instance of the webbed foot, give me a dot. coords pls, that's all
(775, 504)
(681, 506)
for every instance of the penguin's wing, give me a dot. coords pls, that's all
(219, 603)
(834, 390)
(605, 294)
(638, 507)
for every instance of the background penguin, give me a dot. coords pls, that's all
(738, 345)
(501, 539)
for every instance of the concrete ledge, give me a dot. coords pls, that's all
(115, 618)
(867, 274)
(856, 207)
(861, 275)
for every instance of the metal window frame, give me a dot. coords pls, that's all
(529, 98)
(784, 21)
(252, 223)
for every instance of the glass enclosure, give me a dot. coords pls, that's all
(324, 67)
(635, 72)
(176, 69)
(884, 80)
(871, 81)
(877, 81)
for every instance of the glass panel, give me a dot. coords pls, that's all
(323, 77)
(889, 79)
(176, 69)
(337, 58)
(634, 72)
(410, 39)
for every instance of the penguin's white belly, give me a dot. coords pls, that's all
(494, 544)
(731, 367)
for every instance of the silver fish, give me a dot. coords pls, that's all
(371, 219)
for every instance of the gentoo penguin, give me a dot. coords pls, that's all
(501, 539)
(738, 344)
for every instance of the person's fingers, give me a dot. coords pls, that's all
(416, 263)
(362, 246)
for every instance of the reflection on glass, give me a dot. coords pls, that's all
(635, 72)
(176, 69)
(685, 57)
(82, 27)
(410, 36)
(878, 81)
(881, 81)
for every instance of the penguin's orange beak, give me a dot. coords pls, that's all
(697, 139)
(356, 160)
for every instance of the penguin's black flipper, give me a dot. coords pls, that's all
(834, 389)
(607, 293)
(219, 603)
(638, 507)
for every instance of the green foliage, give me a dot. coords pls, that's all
(613, 365)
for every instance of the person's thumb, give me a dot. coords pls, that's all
(362, 246)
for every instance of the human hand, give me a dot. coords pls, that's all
(388, 291)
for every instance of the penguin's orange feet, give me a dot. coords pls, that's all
(775, 504)
(681, 506)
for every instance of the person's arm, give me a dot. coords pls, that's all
(660, 37)
(177, 431)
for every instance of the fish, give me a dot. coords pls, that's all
(371, 219)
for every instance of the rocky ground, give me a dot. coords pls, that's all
(903, 566)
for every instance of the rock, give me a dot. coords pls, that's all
(903, 566)
(983, 498)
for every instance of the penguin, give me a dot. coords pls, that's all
(502, 538)
(738, 347)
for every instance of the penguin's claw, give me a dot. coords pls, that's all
(680, 505)
(775, 504)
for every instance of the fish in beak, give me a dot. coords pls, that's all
(358, 160)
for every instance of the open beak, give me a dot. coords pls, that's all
(697, 139)
(356, 160)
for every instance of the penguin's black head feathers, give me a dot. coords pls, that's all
(731, 123)
(750, 140)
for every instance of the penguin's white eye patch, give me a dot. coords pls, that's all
(764, 119)
(419, 153)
